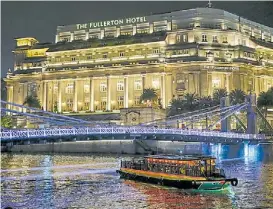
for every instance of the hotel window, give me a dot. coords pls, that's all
(224, 39)
(120, 101)
(126, 33)
(214, 39)
(69, 88)
(104, 55)
(156, 51)
(86, 103)
(89, 57)
(144, 30)
(69, 104)
(216, 83)
(121, 54)
(138, 84)
(185, 38)
(73, 58)
(86, 88)
(204, 38)
(57, 59)
(244, 42)
(156, 83)
(103, 102)
(103, 86)
(137, 100)
(138, 52)
(120, 86)
(178, 38)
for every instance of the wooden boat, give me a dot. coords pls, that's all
(181, 171)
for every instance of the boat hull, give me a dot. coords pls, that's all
(197, 184)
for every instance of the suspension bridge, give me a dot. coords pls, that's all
(65, 127)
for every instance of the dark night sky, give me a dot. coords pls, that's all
(40, 19)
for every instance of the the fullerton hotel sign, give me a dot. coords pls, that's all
(110, 23)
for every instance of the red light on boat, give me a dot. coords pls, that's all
(222, 182)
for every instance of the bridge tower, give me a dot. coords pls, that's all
(251, 114)
(225, 123)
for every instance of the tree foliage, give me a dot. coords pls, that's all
(237, 96)
(218, 94)
(32, 101)
(149, 97)
(6, 121)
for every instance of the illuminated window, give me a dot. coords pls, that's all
(57, 59)
(156, 83)
(69, 104)
(69, 88)
(185, 38)
(120, 86)
(216, 83)
(103, 86)
(86, 88)
(138, 84)
(244, 42)
(204, 38)
(137, 100)
(156, 51)
(178, 38)
(214, 39)
(120, 101)
(103, 102)
(105, 55)
(86, 103)
(121, 54)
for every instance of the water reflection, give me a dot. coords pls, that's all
(90, 181)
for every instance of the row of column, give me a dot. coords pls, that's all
(108, 93)
(118, 30)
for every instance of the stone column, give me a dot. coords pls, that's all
(227, 83)
(10, 96)
(163, 90)
(118, 32)
(209, 81)
(134, 30)
(252, 31)
(271, 38)
(143, 81)
(75, 100)
(108, 93)
(102, 34)
(86, 35)
(59, 96)
(45, 96)
(262, 35)
(126, 92)
(91, 91)
(57, 38)
(151, 27)
(71, 36)
(196, 82)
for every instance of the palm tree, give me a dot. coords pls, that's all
(265, 100)
(149, 96)
(176, 107)
(218, 94)
(32, 101)
(205, 102)
(190, 101)
(237, 96)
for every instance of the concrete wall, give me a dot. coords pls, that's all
(112, 146)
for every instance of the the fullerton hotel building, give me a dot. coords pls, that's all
(105, 65)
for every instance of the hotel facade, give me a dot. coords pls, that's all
(105, 65)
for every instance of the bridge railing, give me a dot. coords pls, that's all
(46, 133)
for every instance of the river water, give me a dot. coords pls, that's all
(90, 181)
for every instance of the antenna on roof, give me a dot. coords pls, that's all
(209, 4)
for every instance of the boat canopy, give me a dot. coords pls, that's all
(181, 157)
